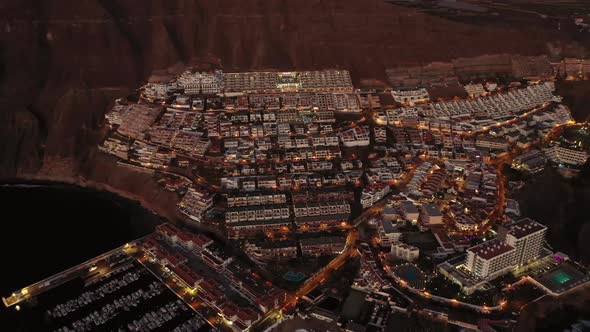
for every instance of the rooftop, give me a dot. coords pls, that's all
(524, 227)
(388, 211)
(389, 227)
(432, 210)
(273, 222)
(408, 207)
(326, 217)
(322, 240)
(277, 244)
(491, 249)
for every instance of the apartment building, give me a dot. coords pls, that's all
(321, 215)
(326, 80)
(405, 252)
(274, 82)
(260, 198)
(195, 203)
(410, 96)
(491, 143)
(248, 229)
(357, 136)
(527, 236)
(409, 211)
(564, 155)
(573, 67)
(272, 250)
(475, 90)
(186, 276)
(430, 215)
(201, 82)
(389, 233)
(380, 134)
(155, 92)
(257, 213)
(532, 161)
(490, 259)
(374, 193)
(325, 245)
(136, 119)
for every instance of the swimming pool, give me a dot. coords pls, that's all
(561, 278)
(294, 276)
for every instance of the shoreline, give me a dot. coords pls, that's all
(162, 212)
(35, 181)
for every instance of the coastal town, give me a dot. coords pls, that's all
(309, 202)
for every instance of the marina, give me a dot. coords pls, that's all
(129, 298)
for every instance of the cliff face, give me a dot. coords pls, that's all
(62, 62)
(554, 314)
(576, 94)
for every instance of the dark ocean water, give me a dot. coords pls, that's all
(47, 229)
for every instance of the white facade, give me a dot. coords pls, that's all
(474, 90)
(490, 259)
(373, 194)
(410, 96)
(197, 82)
(309, 81)
(527, 236)
(388, 233)
(563, 155)
(357, 136)
(257, 213)
(404, 251)
(409, 211)
(491, 143)
(431, 214)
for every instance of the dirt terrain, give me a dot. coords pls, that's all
(63, 63)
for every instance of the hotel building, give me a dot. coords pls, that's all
(490, 259)
(527, 236)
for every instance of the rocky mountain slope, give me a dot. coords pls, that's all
(63, 62)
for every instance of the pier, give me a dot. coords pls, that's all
(100, 265)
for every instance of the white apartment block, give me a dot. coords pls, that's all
(430, 214)
(201, 82)
(394, 116)
(273, 82)
(373, 194)
(492, 143)
(325, 245)
(195, 203)
(235, 200)
(410, 96)
(156, 91)
(563, 155)
(490, 259)
(326, 80)
(257, 213)
(527, 236)
(501, 105)
(388, 233)
(272, 250)
(475, 90)
(380, 134)
(409, 211)
(320, 209)
(405, 251)
(357, 136)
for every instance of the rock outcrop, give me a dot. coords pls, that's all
(61, 62)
